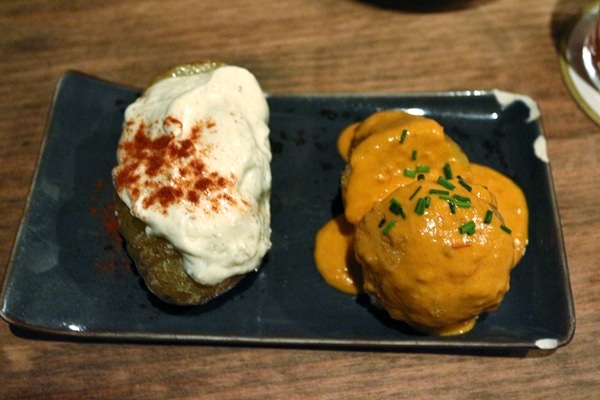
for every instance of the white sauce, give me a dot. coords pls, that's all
(227, 230)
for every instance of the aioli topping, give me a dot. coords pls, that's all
(193, 164)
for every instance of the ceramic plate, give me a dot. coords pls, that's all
(69, 274)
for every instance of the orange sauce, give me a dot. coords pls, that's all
(511, 204)
(334, 247)
(334, 255)
(390, 149)
(362, 145)
(425, 270)
(346, 139)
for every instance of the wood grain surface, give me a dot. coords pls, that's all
(295, 46)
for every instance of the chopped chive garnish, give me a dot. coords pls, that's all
(410, 173)
(465, 185)
(448, 171)
(381, 223)
(488, 216)
(423, 168)
(412, 196)
(427, 201)
(505, 228)
(414, 155)
(462, 204)
(468, 228)
(389, 226)
(437, 191)
(456, 202)
(452, 207)
(396, 208)
(461, 198)
(445, 183)
(421, 204)
(421, 177)
(404, 135)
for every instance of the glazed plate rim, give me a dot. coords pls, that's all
(21, 313)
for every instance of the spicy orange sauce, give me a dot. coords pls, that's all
(391, 149)
(511, 204)
(334, 248)
(334, 255)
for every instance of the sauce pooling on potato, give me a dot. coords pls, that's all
(380, 162)
(391, 149)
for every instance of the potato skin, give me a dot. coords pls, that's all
(161, 265)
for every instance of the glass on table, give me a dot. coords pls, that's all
(580, 60)
(591, 47)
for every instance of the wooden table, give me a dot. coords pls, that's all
(298, 46)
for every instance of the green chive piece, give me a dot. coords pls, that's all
(414, 155)
(445, 183)
(452, 207)
(381, 223)
(462, 204)
(468, 228)
(410, 173)
(465, 184)
(404, 135)
(505, 228)
(389, 226)
(412, 196)
(448, 171)
(396, 208)
(456, 202)
(420, 208)
(423, 168)
(440, 192)
(427, 201)
(488, 216)
(461, 198)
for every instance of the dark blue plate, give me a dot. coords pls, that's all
(69, 274)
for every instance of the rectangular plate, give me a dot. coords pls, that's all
(69, 274)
